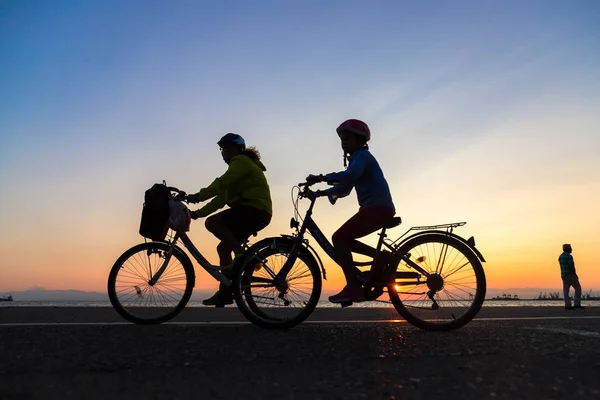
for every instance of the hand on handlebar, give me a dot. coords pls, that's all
(192, 198)
(179, 196)
(312, 179)
(311, 195)
(194, 214)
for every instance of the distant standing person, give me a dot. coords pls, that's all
(569, 277)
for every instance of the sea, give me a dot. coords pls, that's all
(322, 303)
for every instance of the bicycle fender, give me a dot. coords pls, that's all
(287, 239)
(469, 243)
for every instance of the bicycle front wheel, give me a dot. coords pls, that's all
(450, 295)
(261, 301)
(135, 298)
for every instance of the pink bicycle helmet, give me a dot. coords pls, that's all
(355, 126)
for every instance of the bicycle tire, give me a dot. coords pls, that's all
(243, 277)
(411, 314)
(150, 248)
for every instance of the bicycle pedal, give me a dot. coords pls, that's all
(346, 304)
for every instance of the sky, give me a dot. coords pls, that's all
(484, 112)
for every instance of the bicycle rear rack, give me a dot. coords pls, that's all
(448, 227)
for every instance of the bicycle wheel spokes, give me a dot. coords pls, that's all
(264, 292)
(270, 306)
(453, 291)
(131, 292)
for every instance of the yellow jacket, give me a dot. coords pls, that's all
(244, 183)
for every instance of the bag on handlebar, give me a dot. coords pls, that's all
(179, 217)
(155, 212)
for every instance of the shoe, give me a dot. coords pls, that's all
(569, 308)
(354, 294)
(219, 299)
(580, 307)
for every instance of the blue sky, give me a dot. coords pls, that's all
(484, 111)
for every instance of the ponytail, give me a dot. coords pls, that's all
(365, 146)
(251, 152)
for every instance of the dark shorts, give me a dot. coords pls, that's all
(244, 221)
(364, 222)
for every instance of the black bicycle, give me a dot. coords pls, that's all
(435, 279)
(152, 282)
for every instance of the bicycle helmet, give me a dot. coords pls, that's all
(232, 138)
(355, 126)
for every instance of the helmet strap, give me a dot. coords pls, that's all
(345, 159)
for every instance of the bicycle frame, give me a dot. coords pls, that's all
(312, 227)
(208, 267)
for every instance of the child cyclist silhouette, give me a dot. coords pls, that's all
(376, 207)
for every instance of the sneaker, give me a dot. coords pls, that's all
(349, 293)
(569, 308)
(219, 299)
(580, 307)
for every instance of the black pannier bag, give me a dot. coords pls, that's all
(155, 212)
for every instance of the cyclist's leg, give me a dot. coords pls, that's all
(363, 223)
(220, 225)
(223, 295)
(362, 248)
(224, 253)
(241, 222)
(342, 241)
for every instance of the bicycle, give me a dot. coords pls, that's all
(416, 279)
(152, 282)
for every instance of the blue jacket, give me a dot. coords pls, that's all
(364, 174)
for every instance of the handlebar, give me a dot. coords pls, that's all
(180, 196)
(306, 192)
(312, 194)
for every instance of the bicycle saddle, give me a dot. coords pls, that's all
(393, 222)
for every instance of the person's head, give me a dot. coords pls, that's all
(231, 145)
(354, 134)
(567, 248)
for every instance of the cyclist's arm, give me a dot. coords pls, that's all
(344, 181)
(234, 174)
(218, 202)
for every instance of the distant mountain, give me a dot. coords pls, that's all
(41, 294)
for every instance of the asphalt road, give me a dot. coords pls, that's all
(546, 357)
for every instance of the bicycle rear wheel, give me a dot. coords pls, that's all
(450, 296)
(135, 299)
(261, 302)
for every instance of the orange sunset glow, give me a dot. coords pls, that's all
(492, 121)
